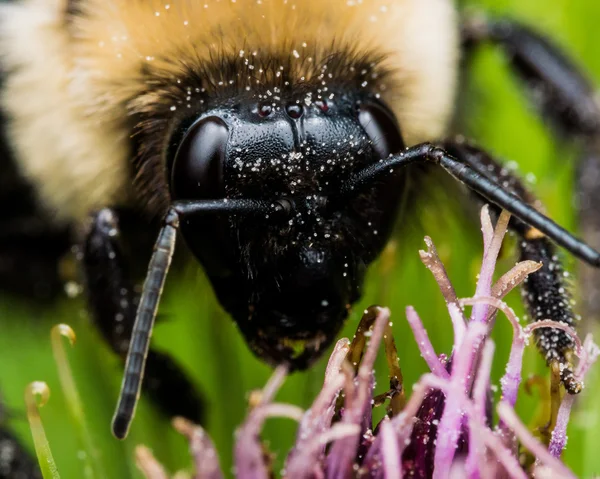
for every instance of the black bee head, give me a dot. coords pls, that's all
(289, 283)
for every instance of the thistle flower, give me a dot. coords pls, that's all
(444, 430)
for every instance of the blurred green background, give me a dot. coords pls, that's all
(209, 347)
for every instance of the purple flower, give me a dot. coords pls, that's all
(444, 430)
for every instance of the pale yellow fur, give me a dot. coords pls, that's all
(71, 95)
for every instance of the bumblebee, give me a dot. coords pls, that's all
(272, 138)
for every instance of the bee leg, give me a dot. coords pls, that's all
(565, 97)
(545, 292)
(113, 303)
(31, 243)
(556, 86)
(30, 265)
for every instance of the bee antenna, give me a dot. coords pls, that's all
(144, 322)
(489, 189)
(158, 269)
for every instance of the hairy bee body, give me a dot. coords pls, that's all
(79, 74)
(98, 95)
(273, 137)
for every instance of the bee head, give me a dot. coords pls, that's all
(288, 283)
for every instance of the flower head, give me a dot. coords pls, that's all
(445, 428)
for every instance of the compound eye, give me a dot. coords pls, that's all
(198, 167)
(381, 127)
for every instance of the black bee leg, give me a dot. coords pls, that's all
(113, 303)
(545, 292)
(32, 245)
(565, 97)
(557, 87)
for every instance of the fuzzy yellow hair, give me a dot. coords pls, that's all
(77, 81)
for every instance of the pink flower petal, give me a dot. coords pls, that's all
(508, 415)
(476, 456)
(343, 452)
(204, 453)
(425, 346)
